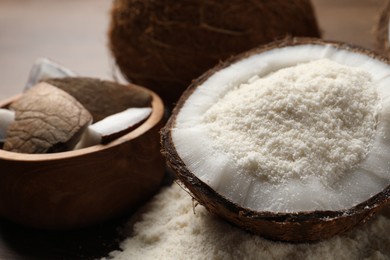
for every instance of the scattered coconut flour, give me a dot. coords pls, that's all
(316, 118)
(169, 229)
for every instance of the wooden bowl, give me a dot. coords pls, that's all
(83, 187)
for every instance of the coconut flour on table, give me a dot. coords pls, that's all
(170, 228)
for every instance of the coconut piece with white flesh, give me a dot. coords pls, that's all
(113, 126)
(103, 98)
(47, 120)
(291, 139)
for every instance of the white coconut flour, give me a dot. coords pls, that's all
(313, 119)
(169, 229)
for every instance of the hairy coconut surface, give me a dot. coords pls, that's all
(299, 226)
(103, 98)
(164, 44)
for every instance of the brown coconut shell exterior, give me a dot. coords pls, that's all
(103, 98)
(164, 44)
(291, 227)
(382, 30)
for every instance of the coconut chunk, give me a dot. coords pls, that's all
(103, 98)
(47, 119)
(113, 126)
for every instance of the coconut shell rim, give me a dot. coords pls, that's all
(154, 118)
(192, 182)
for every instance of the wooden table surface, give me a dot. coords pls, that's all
(73, 33)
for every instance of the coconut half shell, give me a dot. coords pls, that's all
(165, 44)
(304, 226)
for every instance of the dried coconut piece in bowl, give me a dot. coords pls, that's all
(113, 126)
(103, 98)
(47, 120)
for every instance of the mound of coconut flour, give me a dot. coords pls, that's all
(170, 228)
(315, 118)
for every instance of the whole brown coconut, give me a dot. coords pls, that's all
(164, 44)
(292, 226)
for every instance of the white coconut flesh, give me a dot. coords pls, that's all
(113, 124)
(314, 135)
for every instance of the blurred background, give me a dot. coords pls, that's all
(74, 34)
